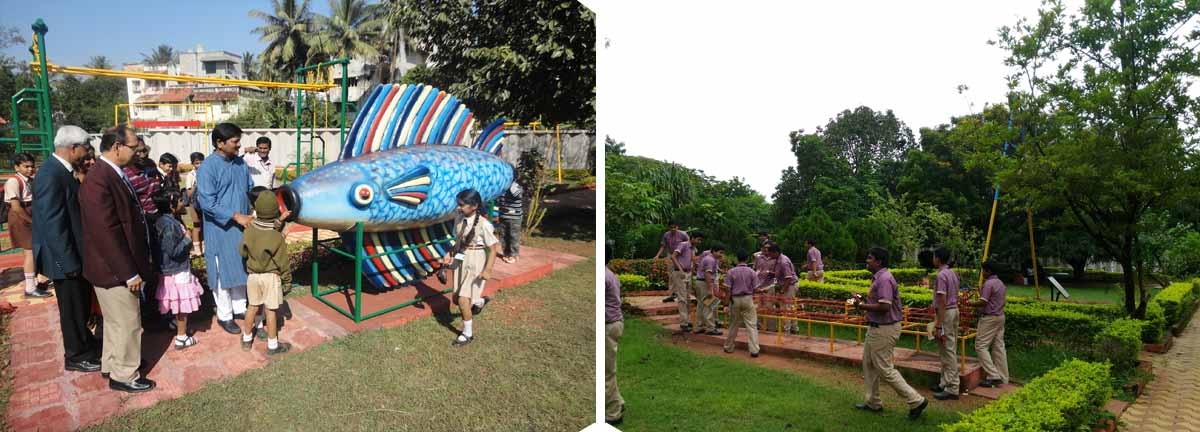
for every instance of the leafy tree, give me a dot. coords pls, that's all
(420, 74)
(832, 239)
(98, 62)
(865, 138)
(1105, 128)
(87, 103)
(161, 55)
(353, 30)
(820, 179)
(1182, 258)
(249, 66)
(287, 35)
(526, 60)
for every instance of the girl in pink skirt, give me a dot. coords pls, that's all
(178, 290)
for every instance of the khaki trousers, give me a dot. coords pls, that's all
(681, 286)
(704, 312)
(877, 364)
(742, 313)
(948, 352)
(817, 276)
(989, 346)
(790, 304)
(612, 395)
(122, 353)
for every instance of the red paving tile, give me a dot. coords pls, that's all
(46, 397)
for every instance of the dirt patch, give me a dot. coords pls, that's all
(518, 310)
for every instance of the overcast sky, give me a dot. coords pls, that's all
(720, 88)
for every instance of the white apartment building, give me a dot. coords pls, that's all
(159, 103)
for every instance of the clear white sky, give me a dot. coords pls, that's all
(719, 88)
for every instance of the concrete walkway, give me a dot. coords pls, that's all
(1170, 401)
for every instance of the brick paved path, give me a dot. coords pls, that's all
(1171, 399)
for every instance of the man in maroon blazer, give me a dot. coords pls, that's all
(116, 258)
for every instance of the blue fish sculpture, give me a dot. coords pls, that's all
(404, 161)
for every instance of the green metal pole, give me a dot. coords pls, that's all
(315, 247)
(358, 259)
(47, 126)
(299, 119)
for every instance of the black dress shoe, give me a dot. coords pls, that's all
(865, 407)
(755, 355)
(83, 366)
(914, 413)
(669, 299)
(461, 342)
(230, 327)
(945, 396)
(990, 383)
(136, 386)
(937, 388)
(38, 294)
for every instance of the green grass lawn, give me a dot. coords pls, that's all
(672, 388)
(1086, 292)
(531, 368)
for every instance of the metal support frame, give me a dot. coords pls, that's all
(356, 312)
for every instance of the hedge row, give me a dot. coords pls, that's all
(1176, 300)
(633, 283)
(657, 272)
(1119, 343)
(1063, 399)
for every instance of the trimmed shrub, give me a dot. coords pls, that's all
(656, 272)
(1176, 300)
(1033, 325)
(633, 283)
(1063, 399)
(1119, 343)
(1156, 324)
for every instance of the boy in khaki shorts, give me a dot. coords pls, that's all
(268, 268)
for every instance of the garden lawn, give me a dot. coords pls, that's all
(1082, 292)
(667, 387)
(531, 368)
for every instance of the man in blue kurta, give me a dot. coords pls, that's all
(223, 182)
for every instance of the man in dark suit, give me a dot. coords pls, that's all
(116, 258)
(57, 231)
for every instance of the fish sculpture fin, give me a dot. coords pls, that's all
(399, 115)
(420, 251)
(489, 139)
(412, 188)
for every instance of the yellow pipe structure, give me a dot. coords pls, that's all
(988, 243)
(558, 144)
(73, 70)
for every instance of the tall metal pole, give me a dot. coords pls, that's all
(995, 200)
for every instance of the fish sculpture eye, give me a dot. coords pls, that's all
(362, 194)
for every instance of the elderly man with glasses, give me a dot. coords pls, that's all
(57, 241)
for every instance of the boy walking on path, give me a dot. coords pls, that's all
(670, 239)
(883, 319)
(945, 322)
(681, 278)
(989, 344)
(269, 268)
(816, 267)
(706, 289)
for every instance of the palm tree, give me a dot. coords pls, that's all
(286, 34)
(98, 62)
(161, 56)
(248, 66)
(354, 29)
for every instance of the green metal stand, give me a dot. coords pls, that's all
(39, 95)
(356, 313)
(311, 132)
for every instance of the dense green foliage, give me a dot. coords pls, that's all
(1063, 399)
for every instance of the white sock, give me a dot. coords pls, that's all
(477, 302)
(467, 328)
(30, 282)
(272, 343)
(247, 337)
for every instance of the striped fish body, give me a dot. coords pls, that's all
(404, 161)
(407, 187)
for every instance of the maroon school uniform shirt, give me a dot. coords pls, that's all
(684, 258)
(947, 285)
(612, 297)
(884, 290)
(993, 292)
(814, 260)
(741, 280)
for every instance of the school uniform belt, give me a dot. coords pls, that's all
(876, 325)
(742, 295)
(474, 247)
(951, 307)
